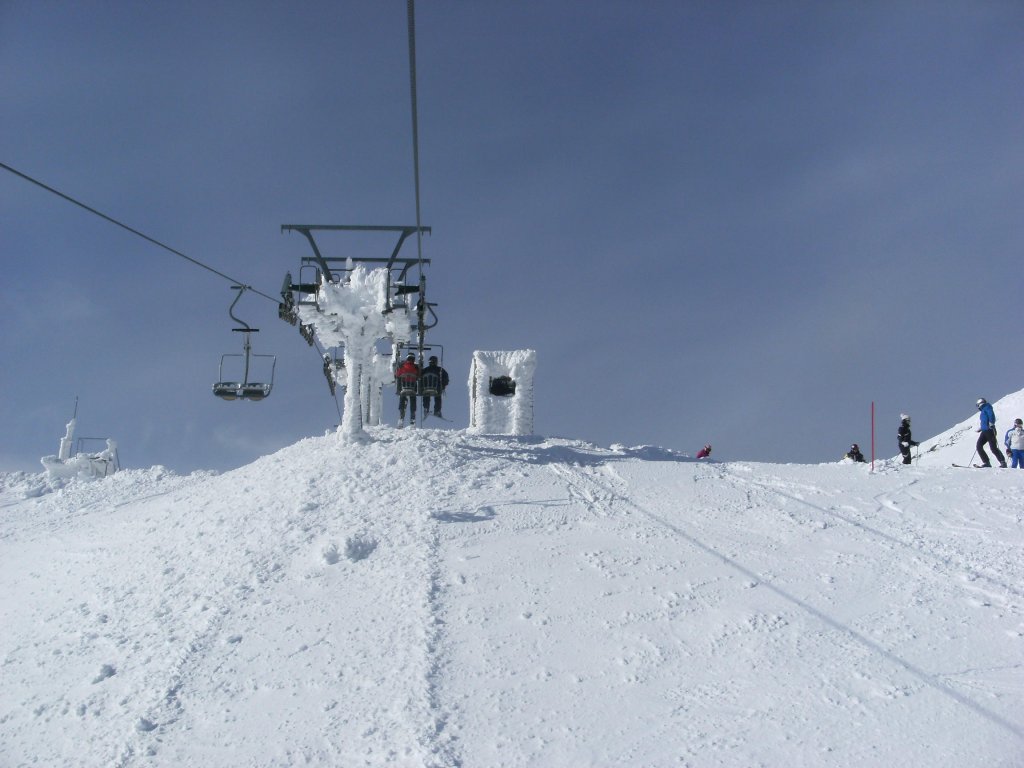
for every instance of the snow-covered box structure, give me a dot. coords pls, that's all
(501, 392)
(66, 465)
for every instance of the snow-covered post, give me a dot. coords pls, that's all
(64, 452)
(373, 388)
(352, 415)
(501, 392)
(351, 314)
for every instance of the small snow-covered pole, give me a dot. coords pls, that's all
(64, 451)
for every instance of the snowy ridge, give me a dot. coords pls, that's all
(433, 598)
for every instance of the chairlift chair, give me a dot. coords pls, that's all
(430, 383)
(406, 386)
(427, 385)
(334, 371)
(244, 389)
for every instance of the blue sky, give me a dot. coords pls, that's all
(736, 223)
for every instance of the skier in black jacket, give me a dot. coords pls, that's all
(904, 438)
(436, 378)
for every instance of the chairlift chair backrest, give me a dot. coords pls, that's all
(407, 384)
(430, 384)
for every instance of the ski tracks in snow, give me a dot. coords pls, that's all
(236, 591)
(734, 491)
(732, 614)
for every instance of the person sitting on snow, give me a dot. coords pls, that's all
(704, 452)
(854, 453)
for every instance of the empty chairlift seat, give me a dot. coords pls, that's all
(236, 390)
(227, 390)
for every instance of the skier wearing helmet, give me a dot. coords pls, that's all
(987, 428)
(704, 452)
(437, 378)
(854, 453)
(406, 375)
(904, 438)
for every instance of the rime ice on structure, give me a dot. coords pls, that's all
(64, 465)
(501, 392)
(350, 314)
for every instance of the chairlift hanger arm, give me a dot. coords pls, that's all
(231, 310)
(430, 308)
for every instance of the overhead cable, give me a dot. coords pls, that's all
(415, 128)
(155, 242)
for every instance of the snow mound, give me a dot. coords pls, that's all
(435, 598)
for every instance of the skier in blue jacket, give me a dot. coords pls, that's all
(987, 428)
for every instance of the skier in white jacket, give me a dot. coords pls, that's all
(1014, 442)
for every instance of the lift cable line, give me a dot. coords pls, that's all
(146, 237)
(415, 128)
(149, 239)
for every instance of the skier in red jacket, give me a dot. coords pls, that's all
(406, 376)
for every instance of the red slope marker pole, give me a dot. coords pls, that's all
(872, 435)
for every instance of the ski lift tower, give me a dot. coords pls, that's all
(352, 303)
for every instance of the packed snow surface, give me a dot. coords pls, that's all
(436, 598)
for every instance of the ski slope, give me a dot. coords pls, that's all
(434, 598)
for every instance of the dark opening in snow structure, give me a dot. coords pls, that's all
(502, 386)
